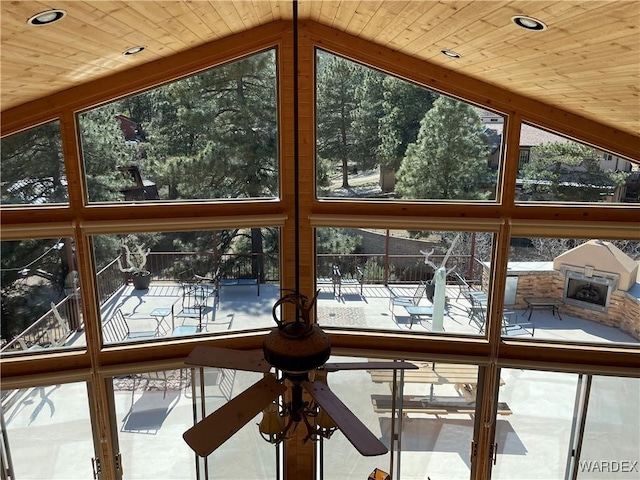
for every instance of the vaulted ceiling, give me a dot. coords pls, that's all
(586, 62)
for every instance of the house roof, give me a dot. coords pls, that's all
(586, 62)
(530, 136)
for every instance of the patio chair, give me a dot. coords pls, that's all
(463, 286)
(191, 306)
(352, 278)
(210, 286)
(511, 327)
(116, 329)
(186, 280)
(408, 301)
(478, 316)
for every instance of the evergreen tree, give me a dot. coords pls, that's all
(568, 171)
(335, 103)
(449, 158)
(104, 150)
(215, 134)
(366, 118)
(404, 106)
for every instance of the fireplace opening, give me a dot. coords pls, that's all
(588, 292)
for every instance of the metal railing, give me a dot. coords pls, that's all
(48, 331)
(398, 269)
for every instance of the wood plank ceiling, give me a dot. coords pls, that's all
(586, 62)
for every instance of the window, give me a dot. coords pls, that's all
(595, 431)
(562, 170)
(213, 135)
(381, 137)
(153, 409)
(423, 281)
(41, 305)
(46, 432)
(572, 290)
(33, 170)
(161, 285)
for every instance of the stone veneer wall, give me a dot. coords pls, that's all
(624, 310)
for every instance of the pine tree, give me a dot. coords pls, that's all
(404, 106)
(104, 150)
(336, 101)
(33, 167)
(449, 158)
(366, 117)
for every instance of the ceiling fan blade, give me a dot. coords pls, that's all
(356, 432)
(217, 428)
(334, 367)
(247, 360)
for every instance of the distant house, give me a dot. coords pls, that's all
(531, 136)
(132, 130)
(141, 189)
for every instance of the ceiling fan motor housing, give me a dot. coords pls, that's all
(297, 354)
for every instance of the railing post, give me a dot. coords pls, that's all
(472, 254)
(386, 260)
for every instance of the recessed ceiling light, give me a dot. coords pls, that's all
(529, 23)
(450, 53)
(46, 18)
(134, 50)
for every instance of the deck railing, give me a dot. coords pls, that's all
(398, 269)
(48, 330)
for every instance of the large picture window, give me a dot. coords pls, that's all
(576, 290)
(420, 281)
(162, 285)
(554, 168)
(41, 307)
(213, 135)
(378, 136)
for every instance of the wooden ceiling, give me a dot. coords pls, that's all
(587, 62)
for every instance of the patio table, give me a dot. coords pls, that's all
(160, 314)
(542, 303)
(460, 375)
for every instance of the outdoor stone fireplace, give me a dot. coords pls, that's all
(592, 272)
(595, 281)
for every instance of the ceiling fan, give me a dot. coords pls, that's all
(298, 349)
